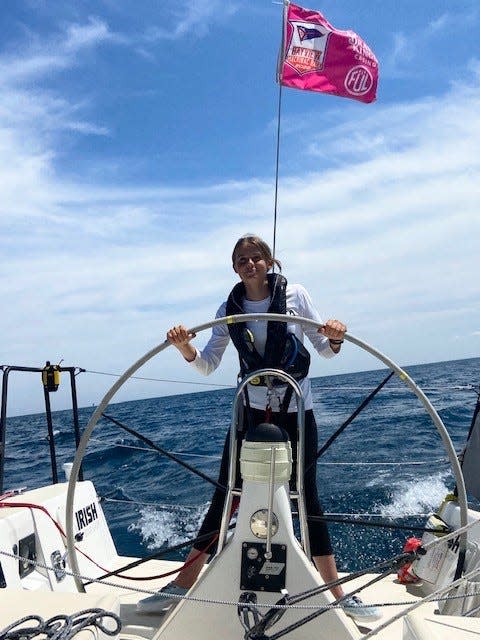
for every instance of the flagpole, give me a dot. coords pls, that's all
(279, 113)
(277, 162)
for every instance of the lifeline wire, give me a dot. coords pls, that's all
(467, 387)
(348, 463)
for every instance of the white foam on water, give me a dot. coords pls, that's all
(414, 497)
(167, 527)
(379, 478)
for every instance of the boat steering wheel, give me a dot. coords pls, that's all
(404, 377)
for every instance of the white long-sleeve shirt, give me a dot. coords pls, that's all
(299, 303)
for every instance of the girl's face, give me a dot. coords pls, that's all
(250, 264)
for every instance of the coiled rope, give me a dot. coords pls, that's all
(62, 626)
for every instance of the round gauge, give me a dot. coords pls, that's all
(259, 521)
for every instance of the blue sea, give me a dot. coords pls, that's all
(388, 466)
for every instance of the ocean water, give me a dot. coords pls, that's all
(388, 466)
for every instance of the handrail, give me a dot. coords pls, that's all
(6, 370)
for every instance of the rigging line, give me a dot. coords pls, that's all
(393, 388)
(326, 516)
(164, 452)
(320, 611)
(378, 515)
(337, 388)
(159, 554)
(352, 518)
(165, 574)
(259, 605)
(369, 523)
(399, 559)
(118, 375)
(345, 424)
(384, 464)
(339, 518)
(378, 463)
(158, 505)
(120, 445)
(43, 509)
(383, 569)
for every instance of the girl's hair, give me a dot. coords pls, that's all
(261, 245)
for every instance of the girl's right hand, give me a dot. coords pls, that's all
(180, 338)
(179, 335)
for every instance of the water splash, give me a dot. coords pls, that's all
(416, 496)
(167, 527)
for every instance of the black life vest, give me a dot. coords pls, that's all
(283, 350)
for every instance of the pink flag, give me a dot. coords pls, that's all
(318, 57)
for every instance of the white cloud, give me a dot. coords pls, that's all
(408, 49)
(192, 17)
(57, 53)
(95, 273)
(81, 36)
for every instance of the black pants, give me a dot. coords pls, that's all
(320, 544)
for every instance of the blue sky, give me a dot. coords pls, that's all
(137, 142)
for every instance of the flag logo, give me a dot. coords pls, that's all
(358, 81)
(307, 48)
